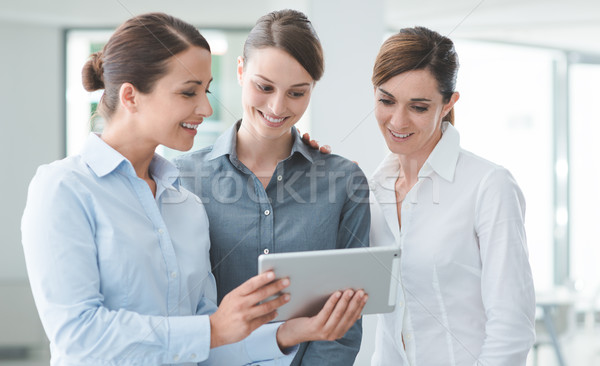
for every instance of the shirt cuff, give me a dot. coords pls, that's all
(262, 344)
(189, 339)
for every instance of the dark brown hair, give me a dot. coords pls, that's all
(419, 48)
(137, 53)
(291, 31)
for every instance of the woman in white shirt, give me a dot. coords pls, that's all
(466, 291)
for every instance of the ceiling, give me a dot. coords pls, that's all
(567, 24)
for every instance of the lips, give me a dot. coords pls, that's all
(272, 121)
(400, 136)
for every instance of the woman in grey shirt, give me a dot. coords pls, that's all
(265, 191)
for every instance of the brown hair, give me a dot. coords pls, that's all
(419, 48)
(137, 53)
(291, 31)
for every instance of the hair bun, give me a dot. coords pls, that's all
(92, 73)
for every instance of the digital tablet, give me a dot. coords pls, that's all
(315, 275)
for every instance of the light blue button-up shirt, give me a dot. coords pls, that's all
(121, 277)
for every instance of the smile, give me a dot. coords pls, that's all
(272, 119)
(400, 135)
(191, 126)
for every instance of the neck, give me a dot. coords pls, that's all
(139, 153)
(258, 151)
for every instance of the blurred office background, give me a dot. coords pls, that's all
(529, 84)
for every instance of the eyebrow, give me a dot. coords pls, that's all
(293, 86)
(412, 99)
(198, 82)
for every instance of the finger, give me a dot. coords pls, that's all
(314, 144)
(257, 322)
(267, 291)
(306, 137)
(255, 283)
(268, 306)
(351, 314)
(339, 311)
(325, 313)
(325, 149)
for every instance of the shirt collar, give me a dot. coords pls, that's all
(103, 160)
(444, 156)
(226, 144)
(442, 160)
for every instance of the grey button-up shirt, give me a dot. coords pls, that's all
(313, 201)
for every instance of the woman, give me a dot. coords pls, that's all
(467, 294)
(118, 252)
(268, 192)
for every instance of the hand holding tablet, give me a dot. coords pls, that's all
(316, 275)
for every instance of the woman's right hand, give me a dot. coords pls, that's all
(241, 310)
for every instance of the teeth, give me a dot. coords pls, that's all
(400, 135)
(273, 120)
(189, 125)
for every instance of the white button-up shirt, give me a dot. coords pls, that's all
(466, 293)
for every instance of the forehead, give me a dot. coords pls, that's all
(276, 65)
(191, 64)
(412, 84)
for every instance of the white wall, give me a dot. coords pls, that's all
(32, 134)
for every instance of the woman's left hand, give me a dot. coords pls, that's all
(325, 149)
(338, 314)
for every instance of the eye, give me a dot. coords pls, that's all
(264, 88)
(296, 94)
(420, 109)
(386, 101)
(189, 94)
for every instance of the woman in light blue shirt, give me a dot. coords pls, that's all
(117, 250)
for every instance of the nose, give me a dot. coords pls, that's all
(277, 104)
(399, 119)
(204, 108)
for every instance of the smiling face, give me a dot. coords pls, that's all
(170, 114)
(276, 91)
(409, 109)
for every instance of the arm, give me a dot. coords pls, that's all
(353, 232)
(61, 256)
(506, 280)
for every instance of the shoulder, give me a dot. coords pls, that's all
(476, 167)
(493, 180)
(66, 172)
(336, 163)
(192, 159)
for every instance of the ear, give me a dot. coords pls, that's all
(448, 106)
(240, 69)
(128, 97)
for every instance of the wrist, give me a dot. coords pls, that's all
(214, 336)
(286, 338)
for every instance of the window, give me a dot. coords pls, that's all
(584, 174)
(505, 114)
(225, 97)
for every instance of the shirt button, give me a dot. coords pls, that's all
(173, 274)
(193, 355)
(408, 336)
(176, 358)
(400, 304)
(279, 178)
(266, 251)
(267, 212)
(160, 231)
